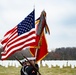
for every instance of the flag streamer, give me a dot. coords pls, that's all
(41, 52)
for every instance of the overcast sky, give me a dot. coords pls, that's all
(61, 18)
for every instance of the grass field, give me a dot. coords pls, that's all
(43, 70)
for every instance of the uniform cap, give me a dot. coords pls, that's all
(31, 58)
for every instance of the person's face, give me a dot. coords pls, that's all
(32, 61)
(27, 63)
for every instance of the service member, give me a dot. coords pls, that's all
(28, 69)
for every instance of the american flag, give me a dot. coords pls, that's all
(20, 37)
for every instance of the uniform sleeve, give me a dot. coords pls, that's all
(37, 66)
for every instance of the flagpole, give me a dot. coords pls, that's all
(39, 44)
(34, 6)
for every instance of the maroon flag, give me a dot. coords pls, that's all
(21, 36)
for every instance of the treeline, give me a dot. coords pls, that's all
(62, 54)
(18, 54)
(68, 53)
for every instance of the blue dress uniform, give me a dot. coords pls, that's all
(28, 69)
